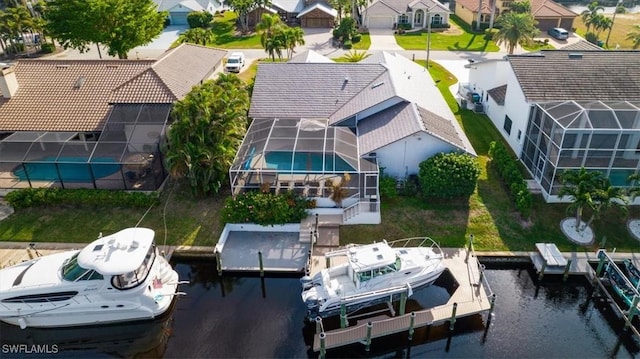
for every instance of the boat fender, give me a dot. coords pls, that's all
(306, 282)
(22, 322)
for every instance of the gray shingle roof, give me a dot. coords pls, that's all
(582, 45)
(442, 128)
(310, 56)
(388, 126)
(308, 90)
(498, 94)
(586, 75)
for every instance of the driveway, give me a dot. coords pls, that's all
(168, 36)
(383, 39)
(318, 40)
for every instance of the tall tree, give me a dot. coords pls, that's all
(269, 26)
(242, 8)
(293, 36)
(606, 196)
(208, 127)
(580, 186)
(515, 29)
(521, 7)
(634, 36)
(120, 25)
(591, 12)
(601, 23)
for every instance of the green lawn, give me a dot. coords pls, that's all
(488, 214)
(364, 43)
(464, 40)
(226, 37)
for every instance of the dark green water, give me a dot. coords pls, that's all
(247, 317)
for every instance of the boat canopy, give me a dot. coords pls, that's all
(118, 253)
(371, 256)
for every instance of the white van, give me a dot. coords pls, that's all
(559, 33)
(235, 62)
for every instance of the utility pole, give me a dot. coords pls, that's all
(613, 20)
(428, 36)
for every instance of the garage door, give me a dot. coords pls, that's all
(179, 18)
(546, 24)
(381, 22)
(318, 22)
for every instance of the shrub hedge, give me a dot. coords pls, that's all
(266, 208)
(37, 197)
(507, 167)
(448, 175)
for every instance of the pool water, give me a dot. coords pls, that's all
(305, 162)
(68, 171)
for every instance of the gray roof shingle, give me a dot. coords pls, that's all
(498, 94)
(557, 75)
(582, 45)
(440, 127)
(388, 126)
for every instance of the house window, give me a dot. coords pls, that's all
(404, 19)
(418, 18)
(436, 19)
(507, 124)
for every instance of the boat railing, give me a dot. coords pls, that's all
(422, 242)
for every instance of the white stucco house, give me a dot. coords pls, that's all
(317, 121)
(565, 109)
(388, 14)
(179, 9)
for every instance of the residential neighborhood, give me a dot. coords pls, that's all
(311, 178)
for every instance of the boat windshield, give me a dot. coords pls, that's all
(369, 274)
(73, 272)
(138, 276)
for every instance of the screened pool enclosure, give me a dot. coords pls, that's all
(597, 135)
(125, 155)
(303, 156)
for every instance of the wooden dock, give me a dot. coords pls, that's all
(473, 296)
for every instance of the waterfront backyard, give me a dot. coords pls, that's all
(489, 214)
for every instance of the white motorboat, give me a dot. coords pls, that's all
(371, 274)
(117, 278)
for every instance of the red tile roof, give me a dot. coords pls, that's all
(74, 95)
(548, 8)
(472, 5)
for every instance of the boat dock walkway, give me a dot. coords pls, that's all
(473, 296)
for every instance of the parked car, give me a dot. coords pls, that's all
(235, 62)
(559, 33)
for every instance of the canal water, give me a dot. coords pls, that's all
(251, 317)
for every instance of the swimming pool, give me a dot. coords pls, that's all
(66, 168)
(305, 162)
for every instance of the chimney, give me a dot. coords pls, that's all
(8, 82)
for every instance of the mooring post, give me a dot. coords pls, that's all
(412, 320)
(603, 243)
(452, 321)
(492, 303)
(343, 316)
(317, 222)
(261, 265)
(466, 259)
(319, 325)
(632, 311)
(368, 345)
(403, 302)
(565, 276)
(327, 262)
(481, 274)
(218, 261)
(323, 348)
(30, 253)
(600, 266)
(544, 267)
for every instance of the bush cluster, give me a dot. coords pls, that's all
(388, 188)
(266, 208)
(37, 197)
(47, 48)
(448, 175)
(507, 168)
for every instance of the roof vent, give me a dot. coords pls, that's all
(346, 79)
(574, 55)
(62, 66)
(79, 82)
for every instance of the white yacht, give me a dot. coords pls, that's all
(117, 278)
(371, 274)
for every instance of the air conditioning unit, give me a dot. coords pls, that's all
(478, 108)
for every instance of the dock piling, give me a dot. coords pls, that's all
(452, 321)
(218, 257)
(482, 267)
(565, 276)
(368, 345)
(491, 305)
(412, 320)
(403, 302)
(544, 267)
(323, 347)
(319, 325)
(600, 266)
(603, 242)
(261, 265)
(343, 316)
(632, 311)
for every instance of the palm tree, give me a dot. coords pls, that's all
(515, 29)
(293, 37)
(355, 56)
(268, 27)
(634, 36)
(591, 12)
(338, 189)
(606, 196)
(580, 186)
(17, 20)
(197, 35)
(600, 23)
